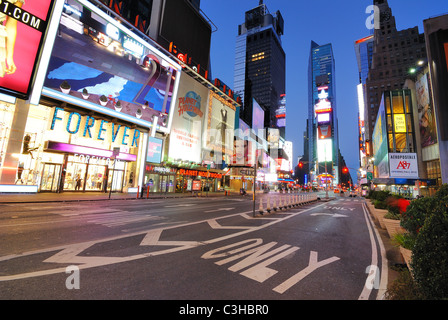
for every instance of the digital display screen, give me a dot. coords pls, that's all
(28, 20)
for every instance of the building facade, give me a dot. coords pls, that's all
(260, 66)
(436, 37)
(395, 52)
(322, 122)
(101, 90)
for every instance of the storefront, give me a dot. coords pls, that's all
(160, 179)
(84, 126)
(70, 151)
(190, 180)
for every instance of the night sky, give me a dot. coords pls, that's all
(327, 21)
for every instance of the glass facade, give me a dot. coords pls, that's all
(321, 73)
(260, 65)
(400, 122)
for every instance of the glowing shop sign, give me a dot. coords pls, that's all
(89, 123)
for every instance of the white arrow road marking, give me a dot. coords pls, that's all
(312, 265)
(180, 205)
(71, 253)
(152, 239)
(334, 215)
(220, 209)
(215, 225)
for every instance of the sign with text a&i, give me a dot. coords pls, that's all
(403, 165)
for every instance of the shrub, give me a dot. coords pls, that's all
(403, 288)
(406, 240)
(419, 209)
(430, 255)
(379, 204)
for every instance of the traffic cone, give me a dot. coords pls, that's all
(274, 205)
(261, 210)
(268, 209)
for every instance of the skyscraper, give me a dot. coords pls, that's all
(322, 123)
(260, 66)
(394, 52)
(364, 54)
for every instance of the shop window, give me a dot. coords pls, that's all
(400, 142)
(397, 104)
(6, 116)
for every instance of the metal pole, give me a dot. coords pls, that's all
(254, 182)
(112, 180)
(326, 175)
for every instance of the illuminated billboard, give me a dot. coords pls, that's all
(324, 132)
(280, 113)
(325, 150)
(22, 27)
(323, 118)
(155, 148)
(188, 118)
(426, 115)
(98, 64)
(219, 130)
(257, 116)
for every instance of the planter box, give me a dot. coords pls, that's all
(393, 227)
(407, 256)
(379, 215)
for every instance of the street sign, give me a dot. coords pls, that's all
(369, 176)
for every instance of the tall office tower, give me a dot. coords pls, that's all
(322, 123)
(176, 25)
(394, 53)
(260, 66)
(364, 54)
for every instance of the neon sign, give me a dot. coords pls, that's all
(75, 118)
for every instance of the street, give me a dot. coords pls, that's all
(190, 249)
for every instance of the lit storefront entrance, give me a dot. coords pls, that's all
(197, 180)
(160, 179)
(50, 177)
(70, 151)
(85, 172)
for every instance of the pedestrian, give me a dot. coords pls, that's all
(78, 182)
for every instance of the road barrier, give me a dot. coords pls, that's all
(286, 202)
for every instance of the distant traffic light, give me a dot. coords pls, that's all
(345, 170)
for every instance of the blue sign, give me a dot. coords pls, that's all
(154, 154)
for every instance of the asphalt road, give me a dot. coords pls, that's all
(190, 249)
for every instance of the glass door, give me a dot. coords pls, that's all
(50, 177)
(116, 180)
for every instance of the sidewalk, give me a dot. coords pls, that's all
(6, 198)
(93, 196)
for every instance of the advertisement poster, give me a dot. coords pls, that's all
(28, 20)
(98, 61)
(403, 165)
(188, 118)
(380, 147)
(155, 147)
(257, 117)
(426, 116)
(324, 132)
(220, 129)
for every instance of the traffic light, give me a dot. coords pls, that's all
(345, 170)
(300, 165)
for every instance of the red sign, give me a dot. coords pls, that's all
(28, 20)
(196, 185)
(324, 132)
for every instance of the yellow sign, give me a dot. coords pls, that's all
(400, 123)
